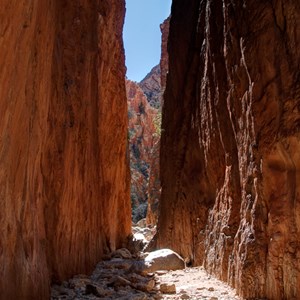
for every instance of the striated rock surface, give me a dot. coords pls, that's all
(64, 184)
(230, 159)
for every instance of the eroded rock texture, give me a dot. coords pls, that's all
(230, 159)
(64, 194)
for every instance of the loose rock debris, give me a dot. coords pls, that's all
(124, 276)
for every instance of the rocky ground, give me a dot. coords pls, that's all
(115, 279)
(195, 283)
(143, 276)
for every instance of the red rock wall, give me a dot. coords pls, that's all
(230, 159)
(64, 194)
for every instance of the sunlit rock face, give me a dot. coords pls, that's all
(151, 86)
(64, 177)
(143, 136)
(230, 159)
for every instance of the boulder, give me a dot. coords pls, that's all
(164, 259)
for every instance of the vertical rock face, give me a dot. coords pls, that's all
(230, 161)
(63, 122)
(154, 188)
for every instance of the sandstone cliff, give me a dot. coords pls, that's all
(230, 159)
(64, 184)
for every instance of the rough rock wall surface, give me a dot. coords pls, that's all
(143, 136)
(64, 192)
(230, 164)
(151, 86)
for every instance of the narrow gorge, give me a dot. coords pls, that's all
(222, 184)
(145, 100)
(144, 116)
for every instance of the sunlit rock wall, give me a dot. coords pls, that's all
(64, 178)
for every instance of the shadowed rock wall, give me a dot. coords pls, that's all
(64, 178)
(154, 188)
(230, 161)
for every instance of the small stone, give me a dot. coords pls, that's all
(157, 296)
(185, 296)
(146, 286)
(161, 272)
(224, 293)
(79, 283)
(135, 278)
(213, 298)
(119, 281)
(211, 289)
(168, 288)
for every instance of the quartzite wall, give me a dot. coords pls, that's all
(230, 159)
(64, 181)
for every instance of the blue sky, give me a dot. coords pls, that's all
(142, 36)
